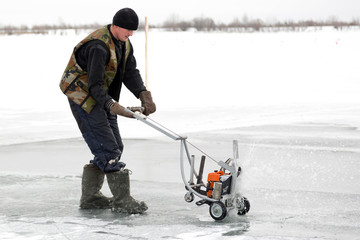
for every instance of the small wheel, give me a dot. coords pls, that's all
(245, 207)
(189, 197)
(217, 210)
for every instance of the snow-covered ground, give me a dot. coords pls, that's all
(289, 98)
(210, 80)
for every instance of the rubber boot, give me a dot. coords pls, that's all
(119, 184)
(92, 181)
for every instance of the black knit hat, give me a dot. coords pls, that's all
(126, 18)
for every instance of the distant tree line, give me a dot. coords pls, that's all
(253, 25)
(44, 29)
(199, 24)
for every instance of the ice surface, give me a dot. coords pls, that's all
(290, 99)
(295, 193)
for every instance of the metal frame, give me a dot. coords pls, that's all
(183, 148)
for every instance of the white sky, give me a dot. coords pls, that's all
(29, 12)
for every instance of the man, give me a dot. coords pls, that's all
(92, 81)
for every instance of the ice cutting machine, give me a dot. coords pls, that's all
(219, 192)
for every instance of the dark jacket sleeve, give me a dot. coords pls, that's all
(132, 78)
(93, 57)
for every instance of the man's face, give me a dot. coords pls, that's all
(121, 34)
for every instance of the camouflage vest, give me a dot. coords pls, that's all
(74, 82)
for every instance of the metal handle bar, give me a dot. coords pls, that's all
(155, 125)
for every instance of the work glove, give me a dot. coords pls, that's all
(116, 108)
(147, 102)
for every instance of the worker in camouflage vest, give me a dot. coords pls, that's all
(92, 81)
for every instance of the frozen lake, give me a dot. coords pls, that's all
(299, 188)
(289, 98)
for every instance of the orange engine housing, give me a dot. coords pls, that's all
(213, 177)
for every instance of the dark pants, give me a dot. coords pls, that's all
(101, 133)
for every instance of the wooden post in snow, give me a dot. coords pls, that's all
(146, 53)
